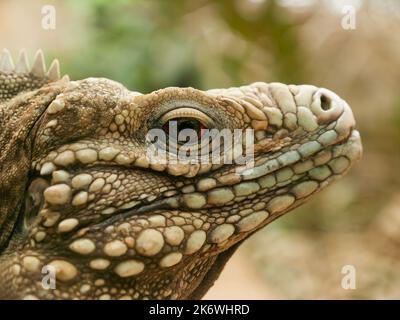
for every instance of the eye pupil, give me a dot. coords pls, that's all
(182, 124)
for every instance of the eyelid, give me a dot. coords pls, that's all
(187, 113)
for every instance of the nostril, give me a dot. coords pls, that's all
(326, 102)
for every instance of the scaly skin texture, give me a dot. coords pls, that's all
(79, 194)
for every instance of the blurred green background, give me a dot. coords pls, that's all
(147, 45)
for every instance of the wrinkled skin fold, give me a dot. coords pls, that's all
(78, 193)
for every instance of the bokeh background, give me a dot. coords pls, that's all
(149, 44)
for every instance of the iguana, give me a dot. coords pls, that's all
(81, 198)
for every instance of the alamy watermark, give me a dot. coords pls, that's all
(48, 17)
(49, 277)
(349, 17)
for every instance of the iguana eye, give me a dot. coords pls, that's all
(186, 118)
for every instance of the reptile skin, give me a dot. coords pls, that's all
(78, 193)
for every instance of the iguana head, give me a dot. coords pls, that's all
(82, 199)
